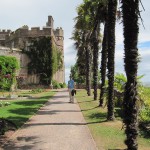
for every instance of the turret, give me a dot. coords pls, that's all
(59, 32)
(50, 22)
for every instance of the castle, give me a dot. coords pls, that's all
(12, 43)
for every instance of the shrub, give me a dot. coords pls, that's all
(8, 67)
(3, 104)
(63, 85)
(144, 114)
(6, 103)
(55, 84)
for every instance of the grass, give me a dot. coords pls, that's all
(108, 135)
(21, 110)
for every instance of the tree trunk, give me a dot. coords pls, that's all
(112, 7)
(130, 21)
(95, 45)
(88, 72)
(103, 65)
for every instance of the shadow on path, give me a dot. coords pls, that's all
(63, 123)
(12, 145)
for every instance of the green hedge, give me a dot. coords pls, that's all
(57, 85)
(8, 67)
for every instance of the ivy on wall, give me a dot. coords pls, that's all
(8, 67)
(45, 59)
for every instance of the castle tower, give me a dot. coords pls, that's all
(59, 34)
(50, 22)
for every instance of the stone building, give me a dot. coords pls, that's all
(12, 43)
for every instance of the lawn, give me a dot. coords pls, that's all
(108, 135)
(19, 111)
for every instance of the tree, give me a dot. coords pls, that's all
(74, 73)
(95, 41)
(95, 60)
(99, 8)
(88, 67)
(89, 17)
(104, 60)
(130, 10)
(112, 8)
(80, 35)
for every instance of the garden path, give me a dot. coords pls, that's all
(58, 125)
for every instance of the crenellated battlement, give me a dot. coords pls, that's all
(59, 32)
(4, 31)
(22, 35)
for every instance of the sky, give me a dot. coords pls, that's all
(34, 13)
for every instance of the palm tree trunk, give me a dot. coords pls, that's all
(103, 65)
(130, 21)
(112, 7)
(88, 72)
(95, 45)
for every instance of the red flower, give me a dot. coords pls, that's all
(7, 76)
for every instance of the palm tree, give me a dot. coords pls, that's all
(130, 10)
(95, 36)
(103, 60)
(88, 63)
(90, 15)
(82, 40)
(103, 65)
(112, 7)
(95, 43)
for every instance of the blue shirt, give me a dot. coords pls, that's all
(71, 84)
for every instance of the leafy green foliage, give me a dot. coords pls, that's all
(145, 109)
(63, 85)
(143, 92)
(74, 73)
(144, 114)
(8, 67)
(45, 58)
(57, 85)
(3, 104)
(120, 81)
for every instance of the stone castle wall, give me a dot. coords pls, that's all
(21, 39)
(23, 60)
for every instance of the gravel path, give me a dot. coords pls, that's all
(58, 125)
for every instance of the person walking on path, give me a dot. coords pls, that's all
(70, 88)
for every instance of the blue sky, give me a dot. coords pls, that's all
(16, 13)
